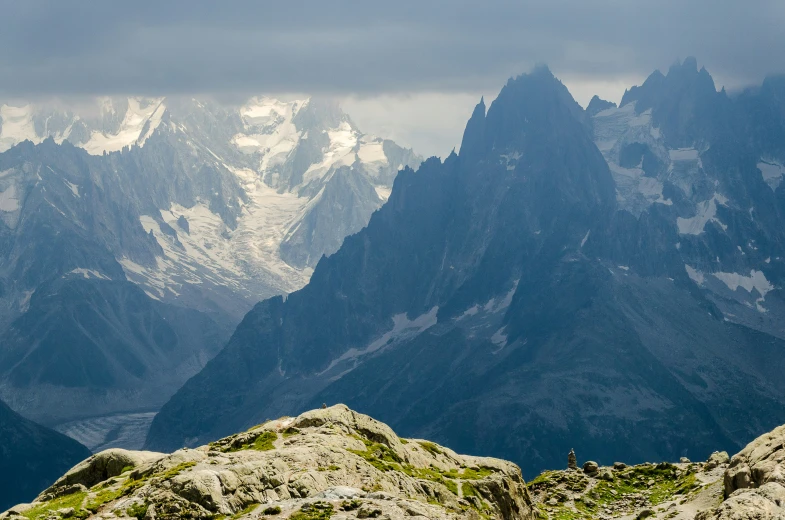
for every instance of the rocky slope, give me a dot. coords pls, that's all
(749, 485)
(336, 463)
(327, 463)
(663, 490)
(574, 280)
(31, 457)
(125, 223)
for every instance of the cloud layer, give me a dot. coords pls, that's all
(367, 47)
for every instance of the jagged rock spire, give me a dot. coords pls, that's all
(473, 142)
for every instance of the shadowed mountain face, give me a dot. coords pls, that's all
(86, 344)
(32, 457)
(606, 281)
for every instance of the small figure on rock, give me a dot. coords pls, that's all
(572, 460)
(324, 406)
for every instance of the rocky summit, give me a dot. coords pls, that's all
(327, 463)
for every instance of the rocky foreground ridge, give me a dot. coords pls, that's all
(335, 463)
(327, 463)
(749, 486)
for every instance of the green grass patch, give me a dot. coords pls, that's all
(263, 442)
(469, 474)
(431, 448)
(73, 500)
(565, 514)
(173, 472)
(469, 490)
(248, 509)
(379, 456)
(103, 497)
(137, 511)
(314, 511)
(451, 485)
(546, 477)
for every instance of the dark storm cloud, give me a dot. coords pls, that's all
(343, 46)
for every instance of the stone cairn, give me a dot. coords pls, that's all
(572, 460)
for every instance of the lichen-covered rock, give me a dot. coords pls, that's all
(716, 459)
(98, 468)
(325, 462)
(764, 503)
(754, 481)
(760, 462)
(591, 468)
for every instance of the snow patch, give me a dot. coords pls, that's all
(585, 238)
(383, 192)
(705, 212)
(772, 172)
(684, 154)
(372, 154)
(340, 152)
(695, 275)
(511, 159)
(89, 274)
(269, 130)
(499, 338)
(493, 306)
(632, 184)
(73, 187)
(756, 280)
(403, 328)
(471, 311)
(9, 201)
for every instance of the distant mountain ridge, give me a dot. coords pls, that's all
(264, 189)
(136, 232)
(576, 280)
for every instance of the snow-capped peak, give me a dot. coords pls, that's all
(120, 123)
(269, 130)
(142, 117)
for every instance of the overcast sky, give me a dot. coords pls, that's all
(411, 70)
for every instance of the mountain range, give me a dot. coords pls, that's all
(137, 232)
(607, 279)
